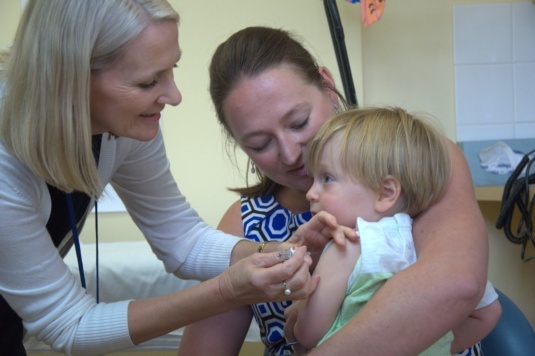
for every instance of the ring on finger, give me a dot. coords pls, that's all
(287, 289)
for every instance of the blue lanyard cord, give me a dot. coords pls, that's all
(76, 239)
(96, 250)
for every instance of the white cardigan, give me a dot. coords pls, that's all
(39, 286)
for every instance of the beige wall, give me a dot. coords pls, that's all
(407, 59)
(193, 138)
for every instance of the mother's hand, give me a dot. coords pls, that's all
(318, 231)
(264, 277)
(290, 314)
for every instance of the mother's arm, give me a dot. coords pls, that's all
(419, 305)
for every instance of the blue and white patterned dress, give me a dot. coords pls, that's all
(264, 219)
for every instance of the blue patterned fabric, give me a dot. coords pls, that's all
(264, 219)
(471, 351)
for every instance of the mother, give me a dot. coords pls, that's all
(271, 96)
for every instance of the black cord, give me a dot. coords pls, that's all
(516, 193)
(338, 38)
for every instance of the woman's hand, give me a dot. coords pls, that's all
(290, 314)
(318, 231)
(265, 277)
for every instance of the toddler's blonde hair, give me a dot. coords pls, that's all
(379, 142)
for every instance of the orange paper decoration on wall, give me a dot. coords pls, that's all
(371, 11)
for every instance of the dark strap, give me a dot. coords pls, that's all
(11, 331)
(76, 239)
(59, 225)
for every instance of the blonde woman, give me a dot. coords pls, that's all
(81, 101)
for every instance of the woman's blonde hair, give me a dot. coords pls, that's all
(379, 142)
(46, 75)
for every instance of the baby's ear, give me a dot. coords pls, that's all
(389, 195)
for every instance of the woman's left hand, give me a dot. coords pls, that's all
(290, 314)
(266, 277)
(317, 232)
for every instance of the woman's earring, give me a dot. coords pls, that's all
(336, 109)
(253, 168)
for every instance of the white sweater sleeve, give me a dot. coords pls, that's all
(178, 236)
